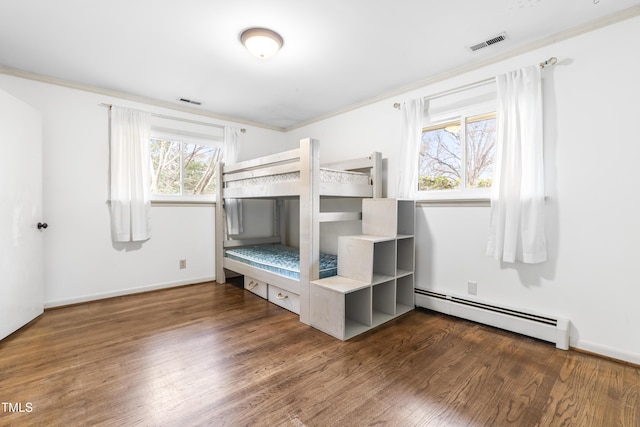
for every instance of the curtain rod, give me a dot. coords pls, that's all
(163, 116)
(551, 61)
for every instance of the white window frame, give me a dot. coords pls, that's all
(184, 138)
(462, 194)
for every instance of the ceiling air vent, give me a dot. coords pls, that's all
(190, 101)
(497, 39)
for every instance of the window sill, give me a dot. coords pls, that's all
(182, 201)
(454, 198)
(472, 202)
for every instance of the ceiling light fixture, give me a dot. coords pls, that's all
(261, 42)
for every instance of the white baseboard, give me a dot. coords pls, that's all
(603, 350)
(121, 292)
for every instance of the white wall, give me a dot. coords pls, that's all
(591, 153)
(81, 262)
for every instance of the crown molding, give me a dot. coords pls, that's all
(623, 15)
(123, 95)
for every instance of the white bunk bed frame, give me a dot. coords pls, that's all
(308, 189)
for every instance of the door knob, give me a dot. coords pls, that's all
(42, 225)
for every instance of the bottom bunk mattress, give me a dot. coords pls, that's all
(280, 259)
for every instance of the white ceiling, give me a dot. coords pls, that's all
(336, 53)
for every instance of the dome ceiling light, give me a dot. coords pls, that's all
(261, 42)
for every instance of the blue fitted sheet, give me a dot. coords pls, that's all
(280, 259)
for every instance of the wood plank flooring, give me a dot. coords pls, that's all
(215, 355)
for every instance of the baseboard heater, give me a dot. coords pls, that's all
(555, 330)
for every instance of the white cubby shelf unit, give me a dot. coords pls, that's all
(375, 281)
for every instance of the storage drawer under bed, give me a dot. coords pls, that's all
(284, 299)
(256, 286)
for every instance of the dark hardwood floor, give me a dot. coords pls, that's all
(214, 355)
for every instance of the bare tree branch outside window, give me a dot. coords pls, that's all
(180, 168)
(441, 154)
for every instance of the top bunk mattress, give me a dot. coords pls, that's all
(330, 176)
(280, 259)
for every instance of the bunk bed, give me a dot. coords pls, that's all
(294, 174)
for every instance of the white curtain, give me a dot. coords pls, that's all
(233, 207)
(412, 117)
(516, 230)
(130, 201)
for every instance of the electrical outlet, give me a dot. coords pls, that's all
(472, 288)
(183, 264)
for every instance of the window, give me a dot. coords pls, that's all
(457, 149)
(183, 167)
(458, 154)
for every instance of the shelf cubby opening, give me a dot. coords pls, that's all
(406, 255)
(384, 258)
(358, 308)
(384, 305)
(405, 294)
(406, 217)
